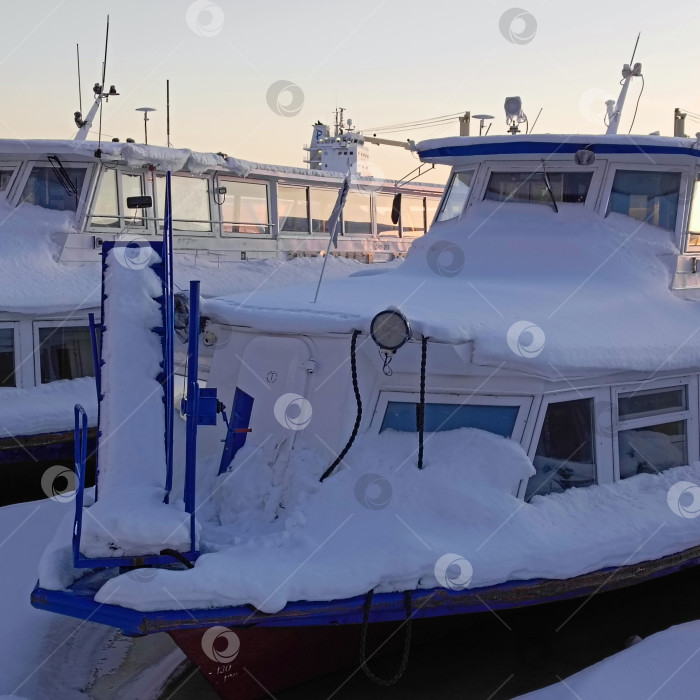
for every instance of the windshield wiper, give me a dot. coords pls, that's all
(549, 187)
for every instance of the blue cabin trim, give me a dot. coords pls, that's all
(549, 148)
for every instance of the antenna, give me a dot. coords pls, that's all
(80, 92)
(98, 152)
(636, 43)
(145, 111)
(532, 128)
(167, 111)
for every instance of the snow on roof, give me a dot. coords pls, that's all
(598, 288)
(174, 159)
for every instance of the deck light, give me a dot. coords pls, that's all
(390, 330)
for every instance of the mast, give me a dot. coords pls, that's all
(614, 109)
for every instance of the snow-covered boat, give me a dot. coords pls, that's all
(60, 201)
(508, 418)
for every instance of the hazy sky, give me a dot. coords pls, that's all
(385, 61)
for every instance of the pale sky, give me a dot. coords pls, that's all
(385, 61)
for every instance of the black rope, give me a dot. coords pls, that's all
(420, 409)
(178, 555)
(358, 400)
(406, 643)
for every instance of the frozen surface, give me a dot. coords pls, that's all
(665, 666)
(585, 281)
(46, 408)
(382, 523)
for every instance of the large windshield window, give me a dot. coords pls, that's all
(531, 187)
(5, 177)
(456, 196)
(402, 416)
(244, 208)
(293, 206)
(647, 196)
(190, 202)
(45, 189)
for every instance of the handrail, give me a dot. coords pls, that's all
(80, 450)
(168, 345)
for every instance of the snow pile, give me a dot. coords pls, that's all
(584, 280)
(129, 516)
(381, 523)
(42, 655)
(46, 408)
(665, 666)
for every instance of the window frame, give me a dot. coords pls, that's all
(683, 198)
(37, 325)
(690, 415)
(281, 233)
(16, 166)
(125, 221)
(21, 177)
(693, 178)
(598, 169)
(448, 188)
(159, 220)
(17, 346)
(220, 181)
(524, 404)
(602, 446)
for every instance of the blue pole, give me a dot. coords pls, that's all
(168, 360)
(192, 409)
(80, 454)
(95, 356)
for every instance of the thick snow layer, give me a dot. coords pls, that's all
(33, 281)
(40, 651)
(597, 288)
(46, 408)
(129, 516)
(274, 539)
(665, 666)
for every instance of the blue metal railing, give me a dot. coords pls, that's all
(192, 408)
(80, 450)
(169, 345)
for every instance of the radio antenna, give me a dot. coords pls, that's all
(80, 92)
(98, 153)
(636, 43)
(167, 111)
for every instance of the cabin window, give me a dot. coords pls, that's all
(65, 353)
(322, 203)
(385, 202)
(132, 186)
(652, 430)
(106, 207)
(456, 196)
(244, 208)
(5, 177)
(293, 207)
(7, 357)
(694, 222)
(567, 187)
(402, 416)
(647, 196)
(565, 455)
(357, 213)
(191, 211)
(431, 205)
(412, 216)
(45, 189)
